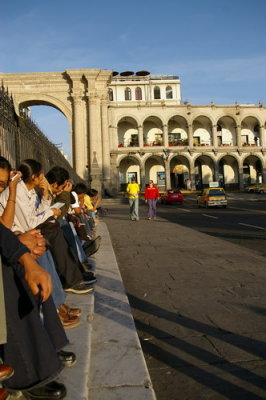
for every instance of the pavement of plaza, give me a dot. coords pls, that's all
(111, 364)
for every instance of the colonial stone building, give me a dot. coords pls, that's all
(135, 124)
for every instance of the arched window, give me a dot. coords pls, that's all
(111, 94)
(138, 93)
(157, 92)
(169, 92)
(127, 93)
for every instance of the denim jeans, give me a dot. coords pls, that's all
(47, 262)
(152, 208)
(134, 208)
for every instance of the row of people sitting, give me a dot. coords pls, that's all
(44, 256)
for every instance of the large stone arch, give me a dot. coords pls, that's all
(25, 101)
(81, 95)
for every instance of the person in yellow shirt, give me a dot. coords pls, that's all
(133, 197)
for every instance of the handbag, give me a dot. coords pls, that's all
(48, 226)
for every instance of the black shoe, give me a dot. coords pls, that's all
(79, 288)
(67, 358)
(89, 278)
(51, 391)
(92, 246)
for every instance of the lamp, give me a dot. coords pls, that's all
(166, 154)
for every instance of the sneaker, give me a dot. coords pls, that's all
(89, 278)
(80, 288)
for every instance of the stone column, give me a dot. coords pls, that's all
(142, 177)
(79, 157)
(140, 135)
(165, 136)
(167, 174)
(95, 142)
(79, 136)
(190, 136)
(262, 136)
(214, 136)
(105, 142)
(238, 136)
(241, 178)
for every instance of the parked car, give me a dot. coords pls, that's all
(211, 197)
(172, 196)
(254, 187)
(260, 189)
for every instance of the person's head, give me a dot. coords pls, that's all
(92, 193)
(81, 189)
(32, 172)
(57, 178)
(150, 182)
(5, 169)
(133, 180)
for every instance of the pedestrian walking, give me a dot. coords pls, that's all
(151, 196)
(133, 197)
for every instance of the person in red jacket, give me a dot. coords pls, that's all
(151, 196)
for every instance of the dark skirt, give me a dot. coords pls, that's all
(32, 340)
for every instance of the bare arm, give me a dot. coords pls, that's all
(7, 218)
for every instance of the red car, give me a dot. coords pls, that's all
(172, 196)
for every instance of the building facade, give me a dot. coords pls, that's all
(135, 124)
(153, 135)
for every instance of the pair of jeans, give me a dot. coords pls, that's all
(152, 208)
(134, 208)
(46, 261)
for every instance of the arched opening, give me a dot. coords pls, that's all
(229, 173)
(180, 173)
(202, 131)
(152, 132)
(204, 172)
(252, 170)
(250, 132)
(128, 168)
(226, 132)
(53, 124)
(177, 131)
(127, 133)
(154, 170)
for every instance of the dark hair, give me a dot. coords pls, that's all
(80, 188)
(92, 192)
(28, 168)
(5, 164)
(57, 175)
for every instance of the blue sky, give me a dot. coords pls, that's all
(217, 48)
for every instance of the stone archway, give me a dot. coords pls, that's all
(81, 95)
